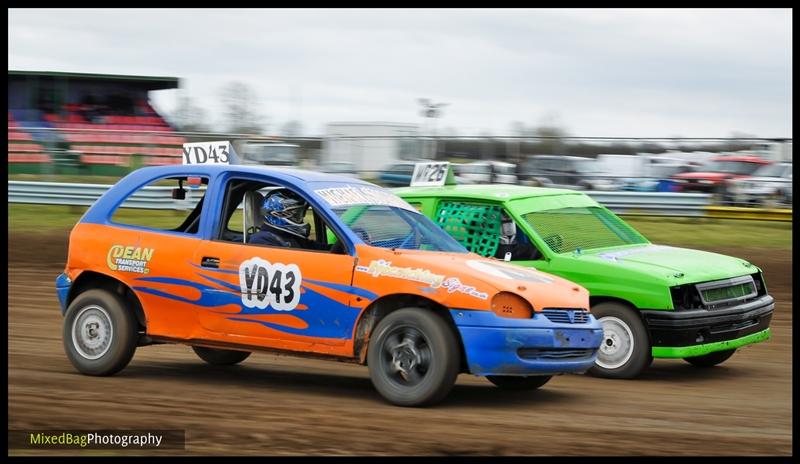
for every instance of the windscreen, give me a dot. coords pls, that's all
(271, 153)
(568, 229)
(587, 166)
(392, 227)
(771, 170)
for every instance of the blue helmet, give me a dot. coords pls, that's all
(285, 211)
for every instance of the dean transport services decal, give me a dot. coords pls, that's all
(129, 258)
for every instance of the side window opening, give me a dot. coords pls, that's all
(487, 230)
(475, 226)
(297, 225)
(171, 204)
(515, 241)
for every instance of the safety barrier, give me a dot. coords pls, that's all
(626, 203)
(730, 212)
(53, 193)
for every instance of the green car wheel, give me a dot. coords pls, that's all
(625, 350)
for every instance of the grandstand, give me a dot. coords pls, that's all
(87, 123)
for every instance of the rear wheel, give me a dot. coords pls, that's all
(413, 357)
(625, 350)
(710, 359)
(510, 382)
(220, 357)
(100, 333)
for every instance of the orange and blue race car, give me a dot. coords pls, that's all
(365, 278)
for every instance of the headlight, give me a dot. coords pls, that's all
(685, 297)
(507, 304)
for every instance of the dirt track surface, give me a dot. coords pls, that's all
(280, 405)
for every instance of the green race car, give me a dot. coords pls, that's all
(654, 301)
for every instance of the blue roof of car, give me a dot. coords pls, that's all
(289, 174)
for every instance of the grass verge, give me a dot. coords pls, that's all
(687, 232)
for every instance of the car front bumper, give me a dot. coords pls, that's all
(680, 334)
(63, 285)
(495, 345)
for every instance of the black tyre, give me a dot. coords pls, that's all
(511, 382)
(710, 359)
(100, 333)
(625, 351)
(220, 357)
(413, 357)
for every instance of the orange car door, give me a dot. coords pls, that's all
(277, 297)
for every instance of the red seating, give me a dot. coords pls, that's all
(36, 157)
(27, 153)
(115, 160)
(19, 136)
(111, 141)
(24, 147)
(161, 161)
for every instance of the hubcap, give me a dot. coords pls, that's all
(92, 332)
(406, 356)
(617, 346)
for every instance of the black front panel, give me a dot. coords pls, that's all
(697, 327)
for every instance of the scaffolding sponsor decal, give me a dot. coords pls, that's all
(451, 284)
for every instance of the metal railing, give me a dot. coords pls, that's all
(626, 203)
(55, 193)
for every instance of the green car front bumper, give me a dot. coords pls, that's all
(699, 350)
(681, 334)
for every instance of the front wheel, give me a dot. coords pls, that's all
(710, 359)
(511, 382)
(625, 349)
(100, 333)
(413, 357)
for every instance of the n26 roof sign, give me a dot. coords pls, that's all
(208, 153)
(429, 174)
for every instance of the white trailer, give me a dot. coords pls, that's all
(370, 146)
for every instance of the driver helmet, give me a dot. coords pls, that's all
(508, 229)
(286, 211)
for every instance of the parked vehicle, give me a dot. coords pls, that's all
(486, 172)
(713, 177)
(770, 186)
(654, 301)
(269, 153)
(641, 172)
(373, 282)
(397, 175)
(573, 172)
(342, 168)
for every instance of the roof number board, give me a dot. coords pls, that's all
(429, 174)
(208, 153)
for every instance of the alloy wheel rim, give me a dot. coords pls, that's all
(406, 356)
(617, 346)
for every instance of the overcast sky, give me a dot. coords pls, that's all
(648, 73)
